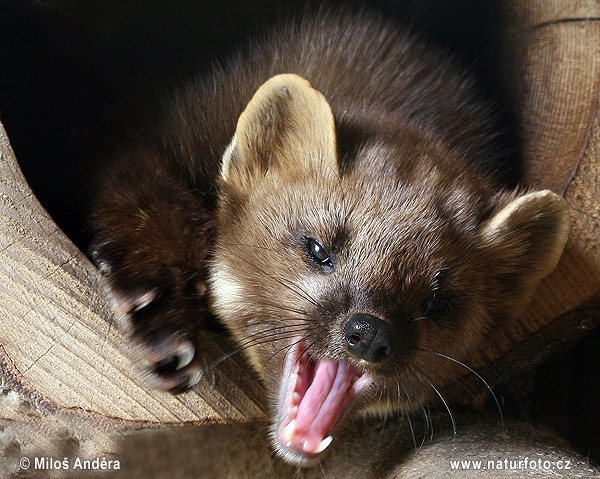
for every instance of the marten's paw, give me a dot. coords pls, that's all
(152, 237)
(161, 310)
(159, 299)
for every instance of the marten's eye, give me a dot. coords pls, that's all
(318, 254)
(436, 305)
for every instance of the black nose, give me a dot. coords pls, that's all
(369, 338)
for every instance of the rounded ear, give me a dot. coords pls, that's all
(525, 240)
(288, 126)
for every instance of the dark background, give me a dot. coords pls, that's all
(78, 79)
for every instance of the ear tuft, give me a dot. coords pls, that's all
(288, 126)
(526, 238)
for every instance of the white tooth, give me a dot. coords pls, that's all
(295, 398)
(324, 444)
(289, 431)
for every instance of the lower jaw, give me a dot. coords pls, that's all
(298, 458)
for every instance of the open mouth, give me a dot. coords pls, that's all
(314, 396)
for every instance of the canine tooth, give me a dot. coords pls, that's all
(296, 398)
(324, 444)
(289, 431)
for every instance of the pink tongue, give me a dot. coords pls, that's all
(323, 402)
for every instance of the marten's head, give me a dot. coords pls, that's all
(362, 284)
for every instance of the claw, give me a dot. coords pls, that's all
(127, 304)
(185, 351)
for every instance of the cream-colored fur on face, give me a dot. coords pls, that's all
(228, 290)
(274, 128)
(529, 234)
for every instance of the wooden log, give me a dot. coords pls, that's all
(63, 357)
(553, 66)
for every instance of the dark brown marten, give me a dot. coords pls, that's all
(353, 234)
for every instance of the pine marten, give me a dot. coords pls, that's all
(333, 194)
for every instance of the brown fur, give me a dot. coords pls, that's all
(387, 161)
